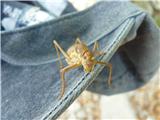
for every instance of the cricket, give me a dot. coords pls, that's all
(79, 55)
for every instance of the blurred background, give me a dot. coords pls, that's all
(140, 104)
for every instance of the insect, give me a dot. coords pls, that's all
(80, 55)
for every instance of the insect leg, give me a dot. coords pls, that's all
(110, 70)
(57, 47)
(58, 54)
(62, 73)
(99, 53)
(95, 51)
(62, 51)
(95, 47)
(78, 40)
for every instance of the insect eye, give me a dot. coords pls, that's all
(85, 57)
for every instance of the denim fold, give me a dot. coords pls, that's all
(31, 77)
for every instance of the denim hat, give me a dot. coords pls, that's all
(30, 76)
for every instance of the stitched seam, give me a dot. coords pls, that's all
(80, 81)
(124, 29)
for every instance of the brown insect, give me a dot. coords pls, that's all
(80, 55)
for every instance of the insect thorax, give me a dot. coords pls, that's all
(76, 52)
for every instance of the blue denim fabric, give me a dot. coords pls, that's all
(30, 75)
